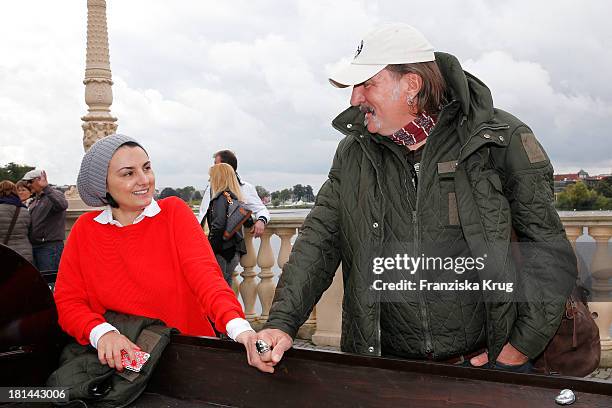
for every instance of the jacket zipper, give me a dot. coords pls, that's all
(377, 349)
(422, 302)
(416, 235)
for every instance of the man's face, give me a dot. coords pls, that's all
(217, 159)
(383, 99)
(35, 185)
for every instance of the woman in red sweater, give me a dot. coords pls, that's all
(139, 257)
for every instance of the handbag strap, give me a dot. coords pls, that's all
(228, 197)
(12, 226)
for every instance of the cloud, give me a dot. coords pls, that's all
(566, 123)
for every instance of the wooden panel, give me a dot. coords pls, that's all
(216, 371)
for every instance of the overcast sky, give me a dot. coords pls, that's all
(192, 77)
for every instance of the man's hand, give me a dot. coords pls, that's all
(39, 183)
(508, 356)
(110, 346)
(43, 182)
(278, 340)
(258, 228)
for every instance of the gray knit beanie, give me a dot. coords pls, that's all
(91, 181)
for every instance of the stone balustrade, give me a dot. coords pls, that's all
(256, 282)
(260, 286)
(599, 228)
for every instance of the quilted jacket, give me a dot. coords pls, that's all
(19, 237)
(482, 173)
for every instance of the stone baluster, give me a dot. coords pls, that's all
(310, 326)
(573, 232)
(329, 309)
(235, 283)
(265, 260)
(601, 271)
(285, 235)
(248, 286)
(266, 292)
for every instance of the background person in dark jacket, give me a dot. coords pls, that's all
(9, 202)
(48, 214)
(428, 166)
(223, 180)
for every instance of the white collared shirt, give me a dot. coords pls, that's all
(234, 327)
(106, 216)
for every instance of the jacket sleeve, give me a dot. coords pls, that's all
(75, 314)
(313, 261)
(56, 198)
(254, 203)
(548, 268)
(201, 269)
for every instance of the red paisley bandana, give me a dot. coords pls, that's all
(416, 131)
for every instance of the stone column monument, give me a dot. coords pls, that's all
(98, 122)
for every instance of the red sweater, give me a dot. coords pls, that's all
(162, 267)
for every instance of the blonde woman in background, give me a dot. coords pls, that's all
(223, 180)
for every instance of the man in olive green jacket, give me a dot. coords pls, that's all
(428, 168)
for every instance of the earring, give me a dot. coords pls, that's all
(410, 100)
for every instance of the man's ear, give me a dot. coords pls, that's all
(411, 83)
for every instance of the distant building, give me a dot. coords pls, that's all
(561, 181)
(571, 177)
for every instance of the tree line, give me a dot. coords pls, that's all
(293, 195)
(14, 172)
(581, 197)
(186, 194)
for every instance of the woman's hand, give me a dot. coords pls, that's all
(110, 346)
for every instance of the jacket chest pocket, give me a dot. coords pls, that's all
(449, 213)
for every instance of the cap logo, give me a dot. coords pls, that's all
(359, 48)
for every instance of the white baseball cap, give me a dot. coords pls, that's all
(395, 43)
(31, 175)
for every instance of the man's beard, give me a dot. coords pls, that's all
(373, 118)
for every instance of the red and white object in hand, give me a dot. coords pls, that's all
(134, 365)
